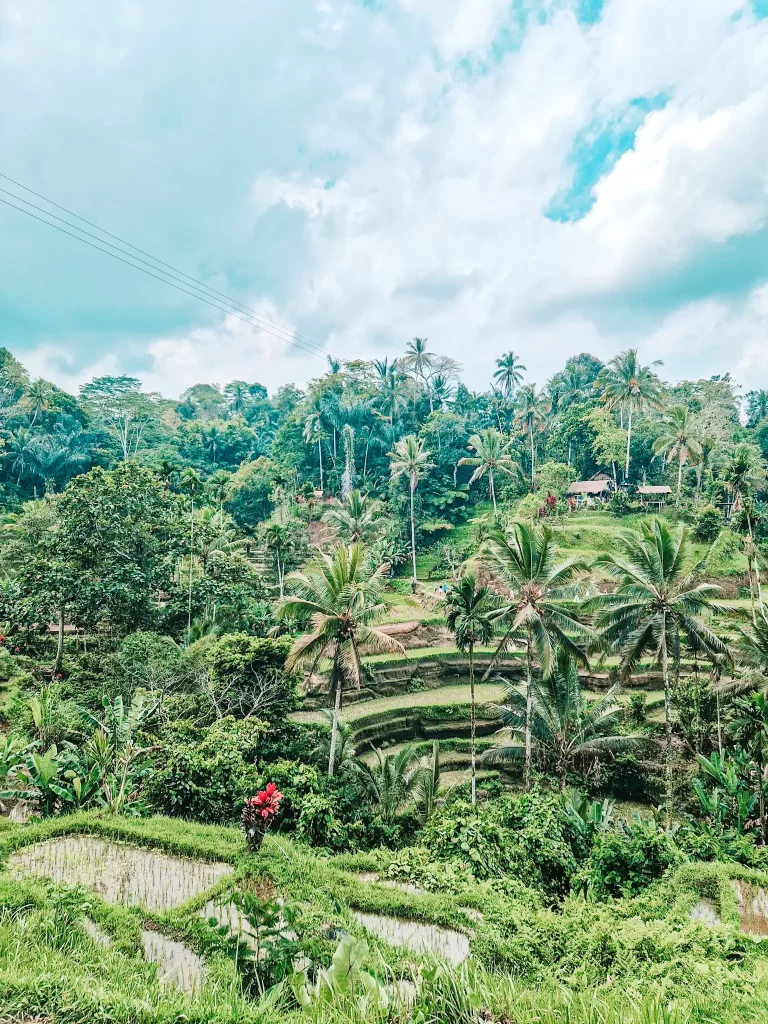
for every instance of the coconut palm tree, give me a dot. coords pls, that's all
(238, 395)
(627, 385)
(532, 410)
(410, 459)
(217, 486)
(470, 611)
(37, 398)
(509, 373)
(564, 727)
(428, 786)
(190, 482)
(357, 517)
(491, 455)
(393, 388)
(419, 361)
(659, 602)
(744, 470)
(313, 431)
(441, 390)
(679, 441)
(540, 608)
(340, 594)
(391, 780)
(276, 538)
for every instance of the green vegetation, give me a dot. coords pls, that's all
(508, 741)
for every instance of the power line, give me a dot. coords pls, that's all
(290, 334)
(123, 241)
(298, 344)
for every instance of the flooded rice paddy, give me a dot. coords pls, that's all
(117, 872)
(417, 936)
(176, 963)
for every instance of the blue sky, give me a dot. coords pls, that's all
(544, 175)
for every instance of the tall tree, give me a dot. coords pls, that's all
(531, 416)
(341, 596)
(564, 726)
(509, 373)
(191, 482)
(659, 602)
(540, 608)
(419, 360)
(744, 470)
(491, 455)
(123, 409)
(679, 441)
(410, 459)
(470, 611)
(749, 728)
(627, 385)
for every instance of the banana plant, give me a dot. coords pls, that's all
(345, 977)
(42, 771)
(13, 759)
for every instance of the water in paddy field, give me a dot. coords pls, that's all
(176, 963)
(418, 936)
(117, 872)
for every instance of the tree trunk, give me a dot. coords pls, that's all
(191, 548)
(279, 571)
(629, 442)
(719, 729)
(472, 718)
(334, 725)
(320, 456)
(493, 490)
(679, 479)
(533, 456)
(413, 536)
(59, 644)
(528, 712)
(667, 717)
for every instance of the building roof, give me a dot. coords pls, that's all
(589, 487)
(655, 489)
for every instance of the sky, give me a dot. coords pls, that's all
(545, 176)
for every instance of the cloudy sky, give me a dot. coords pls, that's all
(547, 176)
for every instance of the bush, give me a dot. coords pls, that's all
(708, 523)
(624, 863)
(554, 477)
(637, 708)
(250, 678)
(620, 504)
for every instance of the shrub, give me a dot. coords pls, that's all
(637, 708)
(624, 863)
(620, 504)
(708, 523)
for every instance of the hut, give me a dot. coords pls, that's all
(590, 491)
(654, 495)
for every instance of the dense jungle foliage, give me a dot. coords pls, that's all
(503, 656)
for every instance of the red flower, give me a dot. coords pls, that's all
(266, 803)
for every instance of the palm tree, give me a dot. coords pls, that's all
(391, 781)
(21, 451)
(709, 448)
(629, 386)
(238, 395)
(313, 431)
(410, 459)
(428, 786)
(540, 606)
(678, 441)
(533, 408)
(276, 537)
(659, 600)
(564, 726)
(334, 366)
(348, 476)
(218, 486)
(191, 483)
(470, 618)
(168, 472)
(37, 398)
(744, 470)
(392, 387)
(509, 373)
(357, 517)
(441, 390)
(340, 593)
(419, 360)
(490, 454)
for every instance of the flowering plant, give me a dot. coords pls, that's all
(258, 812)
